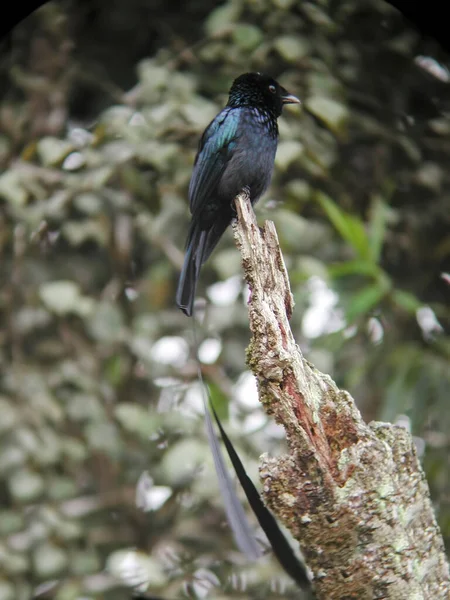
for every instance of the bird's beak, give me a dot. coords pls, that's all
(291, 99)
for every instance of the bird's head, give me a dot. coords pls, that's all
(256, 90)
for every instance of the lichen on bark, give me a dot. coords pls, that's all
(353, 494)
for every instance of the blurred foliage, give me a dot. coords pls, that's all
(104, 470)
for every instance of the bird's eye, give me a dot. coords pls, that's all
(272, 89)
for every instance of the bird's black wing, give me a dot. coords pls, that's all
(215, 150)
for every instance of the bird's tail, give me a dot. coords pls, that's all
(193, 260)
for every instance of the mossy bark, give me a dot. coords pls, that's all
(353, 495)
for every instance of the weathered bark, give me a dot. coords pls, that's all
(353, 495)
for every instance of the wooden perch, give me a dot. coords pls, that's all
(353, 495)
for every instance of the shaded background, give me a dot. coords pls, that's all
(105, 473)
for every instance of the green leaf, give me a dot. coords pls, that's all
(104, 437)
(148, 568)
(137, 420)
(94, 179)
(106, 323)
(53, 151)
(377, 228)
(406, 300)
(292, 48)
(49, 560)
(219, 400)
(12, 188)
(287, 153)
(10, 415)
(355, 267)
(363, 302)
(7, 591)
(247, 37)
(333, 114)
(26, 485)
(64, 297)
(86, 230)
(319, 16)
(222, 18)
(351, 228)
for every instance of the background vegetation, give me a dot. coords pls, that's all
(105, 474)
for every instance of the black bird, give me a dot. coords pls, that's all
(237, 151)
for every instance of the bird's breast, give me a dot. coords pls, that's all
(251, 164)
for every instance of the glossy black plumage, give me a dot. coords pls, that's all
(237, 151)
